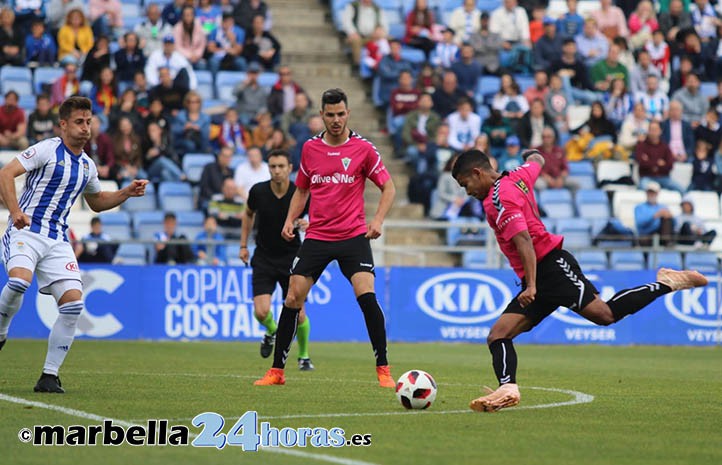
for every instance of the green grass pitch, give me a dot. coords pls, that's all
(651, 405)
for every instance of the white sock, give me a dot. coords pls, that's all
(11, 298)
(62, 335)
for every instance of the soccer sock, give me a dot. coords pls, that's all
(302, 337)
(11, 298)
(287, 324)
(375, 325)
(630, 301)
(503, 356)
(269, 323)
(62, 335)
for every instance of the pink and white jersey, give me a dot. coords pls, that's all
(336, 177)
(511, 208)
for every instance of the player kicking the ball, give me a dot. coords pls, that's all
(334, 167)
(36, 241)
(551, 276)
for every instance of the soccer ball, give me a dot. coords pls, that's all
(416, 389)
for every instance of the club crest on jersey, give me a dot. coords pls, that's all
(346, 162)
(61, 163)
(86, 167)
(522, 186)
(29, 153)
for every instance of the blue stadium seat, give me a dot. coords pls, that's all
(592, 203)
(486, 88)
(175, 196)
(237, 160)
(582, 172)
(205, 84)
(524, 81)
(131, 254)
(388, 4)
(708, 89)
(15, 73)
(488, 5)
(557, 203)
(45, 75)
(130, 9)
(550, 224)
(624, 260)
(474, 259)
(226, 81)
(583, 181)
(576, 232)
(468, 232)
(190, 223)
(667, 260)
(592, 260)
(193, 164)
(146, 203)
(393, 15)
(28, 103)
(704, 262)
(414, 55)
(397, 30)
(146, 224)
(581, 167)
(116, 225)
(267, 79)
(484, 112)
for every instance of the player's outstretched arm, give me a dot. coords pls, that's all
(295, 210)
(388, 192)
(533, 156)
(525, 247)
(105, 200)
(7, 189)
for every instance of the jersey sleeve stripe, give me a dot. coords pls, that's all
(359, 136)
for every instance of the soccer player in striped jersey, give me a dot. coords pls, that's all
(333, 171)
(550, 276)
(36, 241)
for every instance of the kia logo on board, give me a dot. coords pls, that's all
(463, 297)
(698, 306)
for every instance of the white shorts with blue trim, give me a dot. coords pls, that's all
(49, 259)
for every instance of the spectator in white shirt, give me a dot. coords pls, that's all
(251, 172)
(511, 22)
(466, 21)
(168, 57)
(464, 126)
(655, 102)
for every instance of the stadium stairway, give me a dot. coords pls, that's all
(313, 49)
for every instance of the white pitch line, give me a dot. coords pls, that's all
(91, 416)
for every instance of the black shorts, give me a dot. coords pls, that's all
(267, 271)
(559, 283)
(353, 255)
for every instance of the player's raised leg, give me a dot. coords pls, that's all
(298, 289)
(504, 360)
(263, 314)
(363, 286)
(11, 298)
(69, 296)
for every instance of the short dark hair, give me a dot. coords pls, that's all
(73, 103)
(12, 92)
(333, 96)
(469, 160)
(42, 96)
(568, 40)
(279, 153)
(169, 216)
(95, 220)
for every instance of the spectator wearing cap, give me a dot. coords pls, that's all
(75, 37)
(694, 104)
(464, 126)
(592, 45)
(487, 46)
(511, 158)
(152, 30)
(692, 230)
(655, 159)
(390, 67)
(446, 51)
(12, 123)
(68, 84)
(546, 49)
(190, 38)
(651, 217)
(467, 70)
(168, 57)
(225, 45)
(466, 21)
(251, 98)
(570, 24)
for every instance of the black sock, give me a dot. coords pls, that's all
(503, 356)
(287, 323)
(630, 301)
(375, 325)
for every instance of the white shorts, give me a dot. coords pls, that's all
(51, 260)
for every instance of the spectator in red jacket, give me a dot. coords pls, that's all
(419, 28)
(655, 159)
(283, 92)
(12, 123)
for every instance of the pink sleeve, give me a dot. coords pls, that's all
(510, 221)
(530, 172)
(302, 178)
(375, 169)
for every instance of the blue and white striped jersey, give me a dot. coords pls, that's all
(54, 181)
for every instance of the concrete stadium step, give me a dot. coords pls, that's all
(412, 236)
(311, 56)
(319, 44)
(438, 259)
(302, 71)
